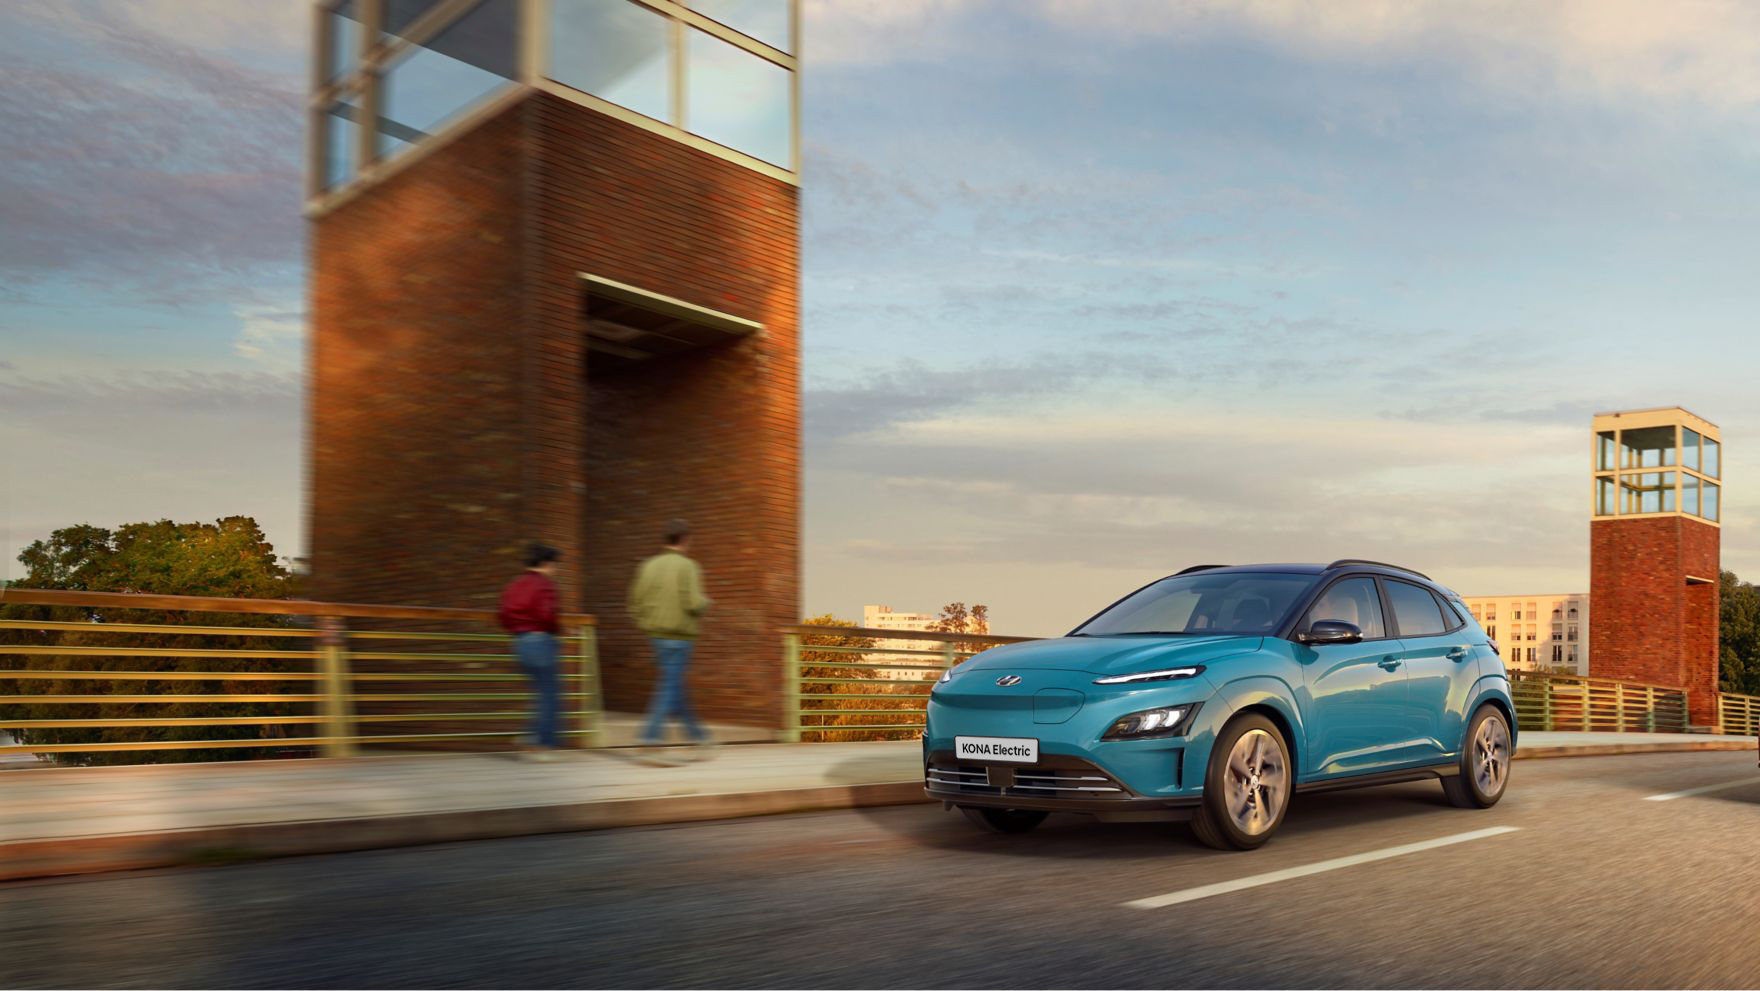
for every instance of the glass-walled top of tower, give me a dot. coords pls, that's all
(1657, 462)
(389, 75)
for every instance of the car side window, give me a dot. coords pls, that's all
(1415, 612)
(1453, 614)
(1354, 601)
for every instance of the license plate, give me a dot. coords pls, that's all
(1013, 749)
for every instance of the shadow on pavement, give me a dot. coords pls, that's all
(1084, 837)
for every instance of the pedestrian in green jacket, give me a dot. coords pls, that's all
(667, 602)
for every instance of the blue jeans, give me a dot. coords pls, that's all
(538, 659)
(671, 695)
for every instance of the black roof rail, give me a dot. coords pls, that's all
(1341, 562)
(1201, 567)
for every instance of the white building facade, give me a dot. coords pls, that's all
(1537, 632)
(884, 618)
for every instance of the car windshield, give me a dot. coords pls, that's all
(1235, 602)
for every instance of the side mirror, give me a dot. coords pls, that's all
(1330, 631)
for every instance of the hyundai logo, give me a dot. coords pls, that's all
(1008, 679)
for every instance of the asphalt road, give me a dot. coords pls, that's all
(1591, 884)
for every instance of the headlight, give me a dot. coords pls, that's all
(1170, 674)
(1172, 720)
(946, 676)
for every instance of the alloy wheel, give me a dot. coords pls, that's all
(1257, 782)
(1491, 756)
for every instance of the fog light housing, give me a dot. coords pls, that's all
(1167, 720)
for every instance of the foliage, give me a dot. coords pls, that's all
(1739, 635)
(858, 704)
(956, 618)
(228, 558)
(891, 697)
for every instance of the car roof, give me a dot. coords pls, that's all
(1348, 564)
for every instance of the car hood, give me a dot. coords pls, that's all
(1110, 655)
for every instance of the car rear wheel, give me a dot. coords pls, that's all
(1247, 786)
(1004, 820)
(1485, 760)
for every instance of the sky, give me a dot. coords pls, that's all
(1093, 289)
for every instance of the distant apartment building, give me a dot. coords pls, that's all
(884, 618)
(1537, 632)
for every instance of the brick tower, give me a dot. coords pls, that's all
(1654, 553)
(554, 297)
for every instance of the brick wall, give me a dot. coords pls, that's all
(415, 372)
(713, 436)
(1649, 624)
(456, 414)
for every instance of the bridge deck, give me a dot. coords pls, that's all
(75, 820)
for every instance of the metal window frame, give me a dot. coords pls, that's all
(376, 55)
(681, 18)
(1617, 474)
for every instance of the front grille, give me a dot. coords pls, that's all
(1081, 780)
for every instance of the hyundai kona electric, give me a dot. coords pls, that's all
(1218, 694)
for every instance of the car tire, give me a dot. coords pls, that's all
(1247, 787)
(1485, 761)
(1004, 820)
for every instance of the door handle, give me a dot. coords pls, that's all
(1458, 654)
(1389, 662)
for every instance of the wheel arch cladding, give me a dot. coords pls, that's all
(1270, 697)
(1490, 691)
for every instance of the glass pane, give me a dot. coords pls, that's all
(1604, 504)
(1415, 612)
(455, 70)
(400, 14)
(765, 20)
(345, 38)
(1650, 492)
(1232, 602)
(737, 99)
(1690, 494)
(1712, 449)
(615, 50)
(1689, 448)
(1605, 451)
(1711, 490)
(1352, 601)
(1651, 447)
(341, 139)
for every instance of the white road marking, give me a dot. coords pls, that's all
(1701, 790)
(1319, 867)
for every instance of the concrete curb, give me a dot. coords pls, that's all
(255, 841)
(233, 844)
(1610, 749)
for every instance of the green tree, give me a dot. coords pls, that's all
(1739, 635)
(228, 558)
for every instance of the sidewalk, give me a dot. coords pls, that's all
(81, 820)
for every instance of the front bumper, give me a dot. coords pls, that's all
(1055, 783)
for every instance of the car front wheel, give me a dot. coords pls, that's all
(1247, 787)
(1485, 759)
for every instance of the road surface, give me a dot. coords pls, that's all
(1593, 872)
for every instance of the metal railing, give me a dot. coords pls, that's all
(1568, 702)
(834, 685)
(309, 677)
(1739, 714)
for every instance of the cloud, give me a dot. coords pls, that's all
(1707, 52)
(270, 333)
(168, 174)
(124, 396)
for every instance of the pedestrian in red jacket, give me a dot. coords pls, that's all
(528, 611)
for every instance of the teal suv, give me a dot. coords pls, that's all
(1218, 694)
